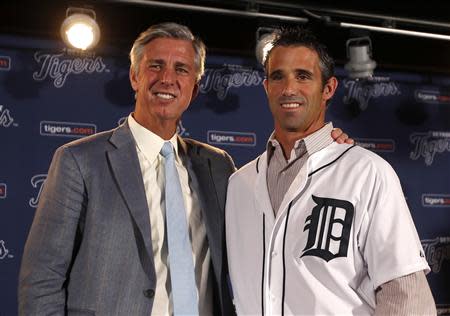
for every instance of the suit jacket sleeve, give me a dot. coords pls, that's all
(51, 242)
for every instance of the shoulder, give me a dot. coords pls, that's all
(249, 171)
(94, 145)
(204, 150)
(353, 156)
(357, 163)
(364, 156)
(92, 140)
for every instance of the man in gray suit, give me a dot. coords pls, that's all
(97, 244)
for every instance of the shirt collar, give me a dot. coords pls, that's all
(319, 139)
(148, 142)
(313, 142)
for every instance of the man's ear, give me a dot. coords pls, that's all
(133, 79)
(195, 91)
(265, 84)
(330, 88)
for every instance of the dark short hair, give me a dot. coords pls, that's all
(299, 36)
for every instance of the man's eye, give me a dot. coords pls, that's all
(154, 66)
(276, 77)
(182, 70)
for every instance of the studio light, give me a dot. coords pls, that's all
(359, 53)
(264, 39)
(80, 29)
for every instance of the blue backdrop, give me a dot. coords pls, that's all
(49, 97)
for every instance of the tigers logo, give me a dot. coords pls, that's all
(122, 120)
(377, 145)
(229, 76)
(432, 97)
(181, 130)
(436, 251)
(443, 309)
(4, 252)
(363, 91)
(6, 120)
(435, 200)
(59, 66)
(67, 129)
(427, 145)
(231, 138)
(330, 242)
(37, 182)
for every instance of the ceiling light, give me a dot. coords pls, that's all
(79, 29)
(359, 53)
(264, 42)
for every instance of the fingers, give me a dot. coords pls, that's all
(340, 137)
(349, 140)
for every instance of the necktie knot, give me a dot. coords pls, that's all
(167, 149)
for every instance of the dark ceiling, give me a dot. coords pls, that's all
(230, 26)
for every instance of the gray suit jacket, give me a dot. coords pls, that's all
(89, 251)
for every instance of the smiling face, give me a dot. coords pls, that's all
(164, 85)
(297, 97)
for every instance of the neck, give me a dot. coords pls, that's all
(163, 128)
(165, 131)
(287, 139)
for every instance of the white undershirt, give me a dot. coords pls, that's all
(148, 146)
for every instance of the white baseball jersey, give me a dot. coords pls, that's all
(342, 230)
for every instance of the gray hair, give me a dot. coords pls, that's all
(168, 30)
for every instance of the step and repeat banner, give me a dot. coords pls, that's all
(49, 97)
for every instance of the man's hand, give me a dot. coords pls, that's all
(340, 137)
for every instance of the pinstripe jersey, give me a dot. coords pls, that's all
(342, 229)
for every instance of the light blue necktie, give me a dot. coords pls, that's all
(182, 273)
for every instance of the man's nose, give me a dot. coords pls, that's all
(167, 76)
(289, 87)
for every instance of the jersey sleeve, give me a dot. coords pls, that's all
(391, 245)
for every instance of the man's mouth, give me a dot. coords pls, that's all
(291, 102)
(165, 96)
(290, 105)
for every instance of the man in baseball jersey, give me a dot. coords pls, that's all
(313, 227)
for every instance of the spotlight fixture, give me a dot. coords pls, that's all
(264, 39)
(79, 29)
(359, 53)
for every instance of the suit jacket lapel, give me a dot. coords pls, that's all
(126, 169)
